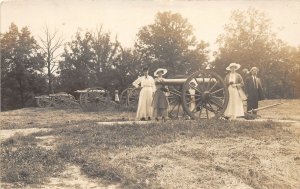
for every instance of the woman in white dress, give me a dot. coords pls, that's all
(234, 81)
(146, 82)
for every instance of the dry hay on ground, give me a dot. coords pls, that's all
(211, 154)
(288, 110)
(50, 117)
(175, 154)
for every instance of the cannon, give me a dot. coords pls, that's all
(202, 94)
(94, 98)
(60, 100)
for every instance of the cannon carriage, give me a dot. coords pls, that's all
(90, 99)
(60, 100)
(94, 98)
(202, 94)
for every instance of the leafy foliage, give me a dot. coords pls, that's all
(249, 41)
(21, 68)
(170, 43)
(96, 60)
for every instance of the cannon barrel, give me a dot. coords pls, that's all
(182, 81)
(93, 90)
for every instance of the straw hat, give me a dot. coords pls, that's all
(254, 68)
(160, 70)
(233, 64)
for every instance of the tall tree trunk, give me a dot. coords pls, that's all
(21, 91)
(50, 86)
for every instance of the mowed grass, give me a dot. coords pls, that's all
(174, 154)
(51, 117)
(142, 156)
(290, 109)
(23, 162)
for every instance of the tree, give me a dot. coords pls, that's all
(21, 68)
(50, 44)
(107, 54)
(249, 41)
(77, 64)
(170, 43)
(97, 60)
(126, 69)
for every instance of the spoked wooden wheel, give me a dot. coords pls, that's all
(43, 101)
(124, 96)
(204, 95)
(175, 101)
(82, 101)
(133, 98)
(96, 98)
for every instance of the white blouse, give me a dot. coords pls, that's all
(232, 78)
(145, 82)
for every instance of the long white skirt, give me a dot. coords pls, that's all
(235, 107)
(145, 108)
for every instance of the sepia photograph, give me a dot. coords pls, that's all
(150, 94)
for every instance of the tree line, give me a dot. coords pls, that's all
(33, 66)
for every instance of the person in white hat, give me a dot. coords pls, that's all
(253, 89)
(146, 82)
(160, 100)
(235, 83)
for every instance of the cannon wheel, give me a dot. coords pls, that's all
(124, 96)
(133, 98)
(175, 102)
(207, 97)
(82, 101)
(96, 98)
(43, 101)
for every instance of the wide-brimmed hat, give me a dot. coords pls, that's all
(160, 70)
(254, 68)
(233, 64)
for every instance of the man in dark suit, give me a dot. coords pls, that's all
(253, 89)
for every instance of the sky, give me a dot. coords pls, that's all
(125, 18)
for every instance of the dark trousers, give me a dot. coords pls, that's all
(252, 104)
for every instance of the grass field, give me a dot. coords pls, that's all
(47, 148)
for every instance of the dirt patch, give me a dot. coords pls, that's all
(7, 133)
(47, 142)
(73, 178)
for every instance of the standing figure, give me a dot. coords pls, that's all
(146, 82)
(253, 89)
(160, 100)
(234, 81)
(192, 92)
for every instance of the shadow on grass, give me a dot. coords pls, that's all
(22, 162)
(90, 146)
(118, 136)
